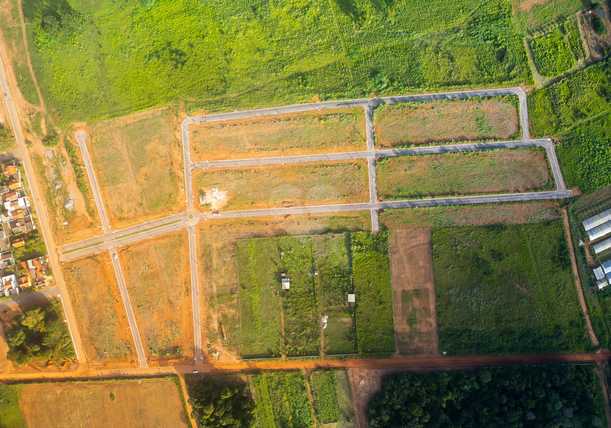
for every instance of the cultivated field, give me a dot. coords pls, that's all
(444, 121)
(311, 132)
(138, 403)
(266, 187)
(158, 281)
(413, 288)
(138, 162)
(506, 288)
(507, 170)
(99, 309)
(220, 267)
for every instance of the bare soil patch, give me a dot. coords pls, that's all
(413, 291)
(310, 132)
(440, 121)
(364, 384)
(157, 273)
(526, 5)
(138, 403)
(219, 267)
(507, 170)
(138, 162)
(96, 300)
(284, 186)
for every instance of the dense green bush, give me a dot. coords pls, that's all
(529, 396)
(552, 53)
(221, 402)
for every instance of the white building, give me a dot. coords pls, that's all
(602, 246)
(597, 220)
(599, 231)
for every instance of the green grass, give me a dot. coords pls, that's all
(325, 396)
(557, 50)
(7, 141)
(571, 100)
(371, 276)
(543, 14)
(585, 154)
(10, 414)
(223, 54)
(506, 289)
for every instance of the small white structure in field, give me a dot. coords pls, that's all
(285, 281)
(324, 321)
(352, 298)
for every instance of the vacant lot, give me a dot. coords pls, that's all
(95, 297)
(311, 132)
(505, 289)
(532, 14)
(439, 121)
(138, 403)
(138, 163)
(517, 170)
(157, 273)
(294, 185)
(220, 266)
(413, 288)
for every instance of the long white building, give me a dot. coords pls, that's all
(597, 220)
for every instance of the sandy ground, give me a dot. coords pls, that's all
(413, 291)
(142, 403)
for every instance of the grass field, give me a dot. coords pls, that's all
(143, 402)
(530, 15)
(138, 162)
(504, 289)
(441, 121)
(220, 267)
(225, 55)
(311, 132)
(495, 171)
(558, 49)
(568, 102)
(158, 281)
(332, 399)
(9, 407)
(97, 303)
(291, 185)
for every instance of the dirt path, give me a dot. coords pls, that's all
(185, 393)
(577, 280)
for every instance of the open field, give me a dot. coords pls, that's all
(95, 297)
(219, 266)
(533, 14)
(439, 121)
(332, 398)
(266, 187)
(496, 171)
(503, 289)
(223, 55)
(137, 403)
(311, 132)
(558, 49)
(413, 286)
(158, 281)
(138, 162)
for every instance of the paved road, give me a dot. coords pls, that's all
(81, 138)
(371, 168)
(550, 151)
(131, 318)
(41, 209)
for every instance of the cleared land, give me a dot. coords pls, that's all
(138, 162)
(311, 132)
(532, 14)
(158, 281)
(439, 121)
(266, 187)
(141, 403)
(220, 267)
(99, 309)
(504, 289)
(510, 170)
(413, 288)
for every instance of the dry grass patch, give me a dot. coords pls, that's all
(157, 273)
(439, 121)
(96, 300)
(506, 170)
(132, 403)
(310, 132)
(291, 185)
(219, 272)
(138, 162)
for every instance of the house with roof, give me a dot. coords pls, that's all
(597, 220)
(602, 246)
(8, 285)
(599, 231)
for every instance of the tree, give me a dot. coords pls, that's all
(221, 402)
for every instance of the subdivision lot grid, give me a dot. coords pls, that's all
(112, 239)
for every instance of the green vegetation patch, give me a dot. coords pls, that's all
(332, 397)
(224, 54)
(531, 15)
(558, 49)
(506, 289)
(525, 396)
(10, 412)
(571, 100)
(371, 276)
(7, 141)
(40, 335)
